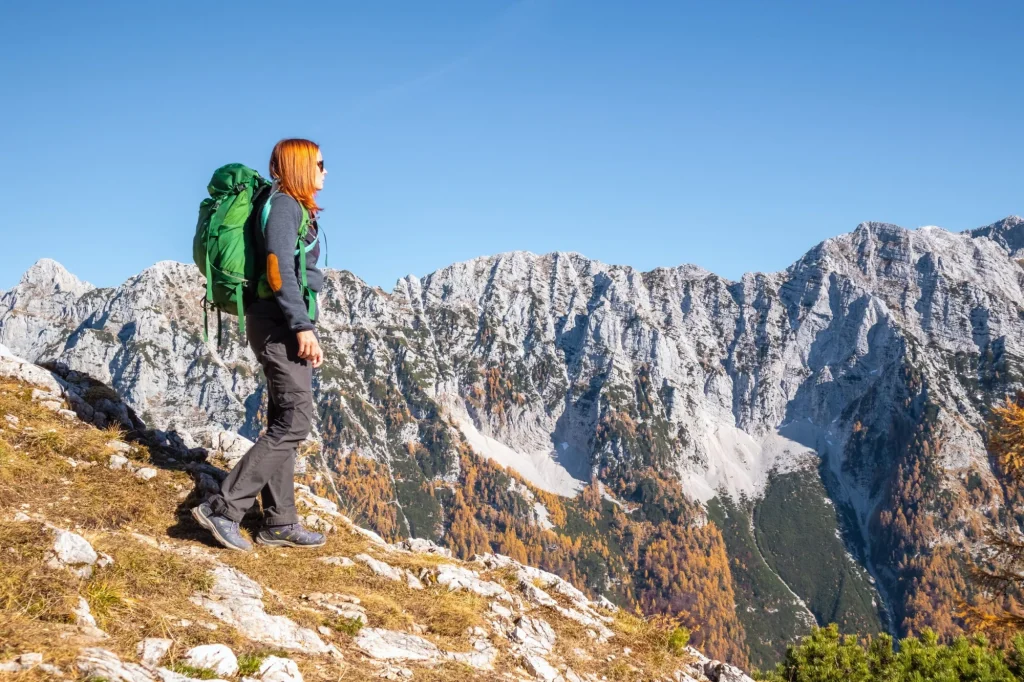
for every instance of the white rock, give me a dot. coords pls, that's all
(73, 552)
(22, 516)
(229, 446)
(237, 600)
(117, 462)
(23, 370)
(153, 649)
(534, 635)
(539, 667)
(100, 663)
(146, 540)
(38, 394)
(388, 645)
(83, 616)
(119, 446)
(322, 505)
(216, 657)
(345, 606)
(412, 581)
(343, 561)
(388, 571)
(368, 534)
(723, 672)
(501, 610)
(395, 673)
(482, 657)
(425, 546)
(145, 473)
(22, 663)
(51, 670)
(458, 578)
(316, 523)
(30, 660)
(276, 669)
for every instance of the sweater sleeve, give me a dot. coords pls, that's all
(281, 235)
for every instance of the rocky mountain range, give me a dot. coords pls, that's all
(750, 457)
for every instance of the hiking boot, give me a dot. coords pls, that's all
(224, 530)
(293, 535)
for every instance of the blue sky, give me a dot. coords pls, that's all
(733, 135)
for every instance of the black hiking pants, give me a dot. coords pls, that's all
(268, 469)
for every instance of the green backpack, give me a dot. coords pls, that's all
(224, 246)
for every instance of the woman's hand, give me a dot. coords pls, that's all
(309, 348)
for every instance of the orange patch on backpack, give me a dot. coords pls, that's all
(273, 273)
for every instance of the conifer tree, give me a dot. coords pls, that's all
(1000, 573)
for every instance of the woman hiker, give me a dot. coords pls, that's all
(279, 328)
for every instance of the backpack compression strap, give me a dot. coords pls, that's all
(216, 220)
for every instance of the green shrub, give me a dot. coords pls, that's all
(350, 626)
(824, 656)
(678, 640)
(190, 671)
(249, 664)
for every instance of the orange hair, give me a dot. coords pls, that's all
(293, 166)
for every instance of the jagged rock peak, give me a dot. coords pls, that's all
(521, 266)
(1008, 233)
(48, 274)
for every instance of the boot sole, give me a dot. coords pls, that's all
(205, 522)
(286, 543)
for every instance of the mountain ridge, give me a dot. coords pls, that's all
(873, 356)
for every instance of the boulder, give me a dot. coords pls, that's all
(539, 667)
(216, 657)
(275, 669)
(534, 635)
(390, 572)
(458, 578)
(73, 552)
(103, 664)
(425, 546)
(230, 446)
(388, 645)
(153, 650)
(145, 473)
(238, 601)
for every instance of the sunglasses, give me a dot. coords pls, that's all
(320, 164)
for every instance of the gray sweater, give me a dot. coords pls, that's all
(277, 247)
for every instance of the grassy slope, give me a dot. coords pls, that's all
(145, 593)
(798, 531)
(771, 617)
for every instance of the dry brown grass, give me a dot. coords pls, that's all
(145, 593)
(35, 601)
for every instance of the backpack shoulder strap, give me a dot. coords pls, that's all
(300, 250)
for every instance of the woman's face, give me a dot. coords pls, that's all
(321, 172)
